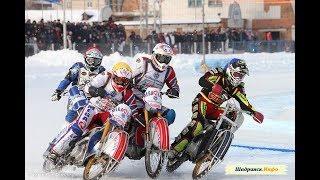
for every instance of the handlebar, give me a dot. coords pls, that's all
(165, 93)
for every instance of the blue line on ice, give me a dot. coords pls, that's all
(263, 148)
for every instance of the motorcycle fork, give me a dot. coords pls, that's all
(147, 134)
(103, 137)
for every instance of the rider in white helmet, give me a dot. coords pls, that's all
(155, 71)
(78, 76)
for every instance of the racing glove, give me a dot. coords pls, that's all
(56, 96)
(95, 92)
(258, 117)
(172, 93)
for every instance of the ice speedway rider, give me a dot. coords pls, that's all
(155, 71)
(107, 89)
(206, 103)
(78, 76)
(151, 71)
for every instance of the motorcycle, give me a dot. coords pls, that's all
(210, 147)
(74, 157)
(107, 154)
(78, 155)
(153, 137)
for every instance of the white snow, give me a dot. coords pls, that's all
(270, 89)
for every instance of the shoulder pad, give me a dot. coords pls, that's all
(78, 64)
(141, 59)
(75, 67)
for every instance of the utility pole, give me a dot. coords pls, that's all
(71, 8)
(160, 15)
(146, 16)
(42, 8)
(141, 16)
(204, 67)
(64, 25)
(154, 16)
(98, 9)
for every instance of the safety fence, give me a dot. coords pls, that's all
(130, 49)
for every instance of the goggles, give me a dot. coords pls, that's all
(93, 61)
(238, 75)
(122, 81)
(163, 58)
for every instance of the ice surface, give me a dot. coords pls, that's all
(270, 89)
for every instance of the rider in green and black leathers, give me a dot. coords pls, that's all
(218, 85)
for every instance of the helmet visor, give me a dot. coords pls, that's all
(93, 61)
(238, 75)
(163, 58)
(122, 81)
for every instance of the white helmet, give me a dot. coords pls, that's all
(235, 70)
(122, 74)
(120, 115)
(93, 58)
(161, 56)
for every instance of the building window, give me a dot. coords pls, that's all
(214, 3)
(89, 4)
(194, 3)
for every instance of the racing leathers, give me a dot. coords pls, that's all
(78, 76)
(104, 98)
(146, 75)
(206, 105)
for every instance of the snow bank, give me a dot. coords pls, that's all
(259, 62)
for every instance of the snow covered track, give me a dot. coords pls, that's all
(270, 88)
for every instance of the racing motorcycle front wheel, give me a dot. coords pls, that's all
(95, 168)
(154, 161)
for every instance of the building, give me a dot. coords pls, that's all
(261, 16)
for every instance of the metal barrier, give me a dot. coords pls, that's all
(130, 49)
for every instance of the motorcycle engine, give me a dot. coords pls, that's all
(77, 154)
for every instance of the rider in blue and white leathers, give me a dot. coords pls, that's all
(78, 76)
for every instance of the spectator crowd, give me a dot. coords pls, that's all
(46, 34)
(80, 35)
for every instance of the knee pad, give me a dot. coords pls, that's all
(170, 115)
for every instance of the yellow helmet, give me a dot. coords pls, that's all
(122, 69)
(122, 73)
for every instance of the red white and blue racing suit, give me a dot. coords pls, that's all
(101, 104)
(78, 76)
